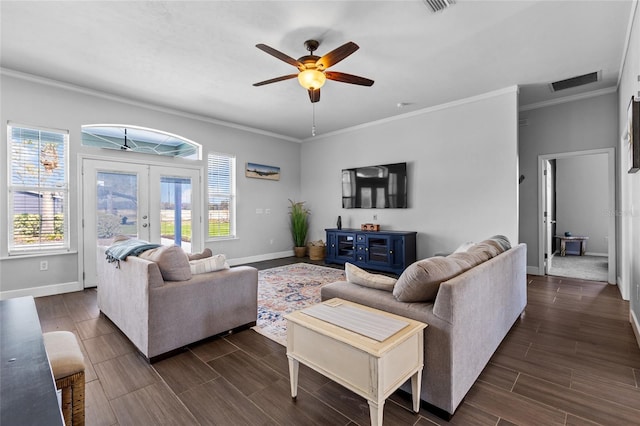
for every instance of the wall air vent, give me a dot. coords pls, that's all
(438, 5)
(580, 80)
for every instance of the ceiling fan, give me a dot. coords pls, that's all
(313, 69)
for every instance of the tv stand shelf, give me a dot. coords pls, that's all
(389, 251)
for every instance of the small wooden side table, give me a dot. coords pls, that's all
(563, 243)
(372, 369)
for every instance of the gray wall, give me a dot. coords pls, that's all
(629, 184)
(582, 199)
(580, 125)
(462, 172)
(56, 106)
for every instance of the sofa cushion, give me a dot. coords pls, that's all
(172, 262)
(495, 244)
(485, 249)
(361, 277)
(421, 280)
(502, 241)
(197, 256)
(208, 264)
(464, 247)
(465, 260)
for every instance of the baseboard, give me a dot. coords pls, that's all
(588, 253)
(260, 258)
(46, 290)
(633, 319)
(534, 270)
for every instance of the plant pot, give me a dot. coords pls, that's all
(300, 251)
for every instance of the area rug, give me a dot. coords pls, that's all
(594, 268)
(286, 289)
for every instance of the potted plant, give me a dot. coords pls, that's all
(299, 225)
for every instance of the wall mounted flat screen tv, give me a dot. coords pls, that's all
(375, 187)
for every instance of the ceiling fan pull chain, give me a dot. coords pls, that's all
(313, 124)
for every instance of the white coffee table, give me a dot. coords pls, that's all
(372, 369)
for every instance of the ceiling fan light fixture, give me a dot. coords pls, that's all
(311, 79)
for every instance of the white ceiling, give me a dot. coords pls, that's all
(200, 56)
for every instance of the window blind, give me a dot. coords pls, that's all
(221, 195)
(38, 189)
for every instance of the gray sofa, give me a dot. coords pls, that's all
(159, 316)
(471, 314)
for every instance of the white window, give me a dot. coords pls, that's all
(38, 189)
(221, 196)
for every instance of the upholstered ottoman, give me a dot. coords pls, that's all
(67, 364)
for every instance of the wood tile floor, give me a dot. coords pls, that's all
(571, 359)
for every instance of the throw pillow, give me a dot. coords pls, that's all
(479, 253)
(208, 264)
(361, 277)
(421, 280)
(464, 247)
(503, 241)
(120, 237)
(172, 261)
(464, 259)
(196, 256)
(486, 248)
(494, 244)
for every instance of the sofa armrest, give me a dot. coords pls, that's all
(500, 281)
(123, 294)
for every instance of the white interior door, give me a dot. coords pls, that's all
(548, 216)
(152, 203)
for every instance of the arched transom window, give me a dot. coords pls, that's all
(139, 139)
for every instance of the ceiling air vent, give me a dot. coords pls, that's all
(580, 80)
(438, 5)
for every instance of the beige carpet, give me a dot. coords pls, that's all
(594, 268)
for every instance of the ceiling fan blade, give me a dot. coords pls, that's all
(275, 80)
(336, 55)
(283, 57)
(348, 78)
(314, 95)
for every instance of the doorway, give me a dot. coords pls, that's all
(154, 203)
(549, 210)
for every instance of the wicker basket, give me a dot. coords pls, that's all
(316, 252)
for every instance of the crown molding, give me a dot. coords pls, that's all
(104, 95)
(566, 99)
(488, 95)
(627, 40)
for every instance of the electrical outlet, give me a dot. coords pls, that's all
(267, 211)
(44, 265)
(259, 211)
(375, 217)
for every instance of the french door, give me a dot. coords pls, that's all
(154, 203)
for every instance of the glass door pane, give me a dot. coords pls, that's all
(175, 207)
(116, 206)
(114, 201)
(152, 203)
(378, 249)
(175, 211)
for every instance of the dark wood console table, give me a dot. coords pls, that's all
(27, 389)
(390, 251)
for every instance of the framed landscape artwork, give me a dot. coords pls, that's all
(633, 114)
(260, 171)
